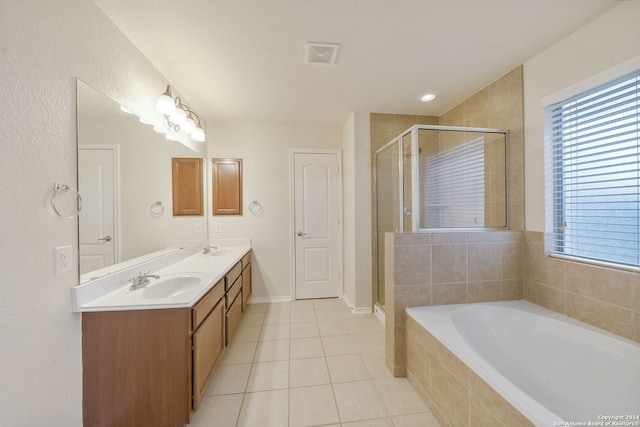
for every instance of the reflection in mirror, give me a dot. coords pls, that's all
(124, 176)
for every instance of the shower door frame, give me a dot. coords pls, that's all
(415, 207)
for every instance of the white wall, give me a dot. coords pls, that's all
(44, 46)
(606, 42)
(264, 150)
(357, 211)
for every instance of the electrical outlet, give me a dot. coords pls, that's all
(198, 227)
(218, 227)
(62, 259)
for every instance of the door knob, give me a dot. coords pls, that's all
(301, 234)
(106, 238)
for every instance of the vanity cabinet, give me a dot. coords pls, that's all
(246, 278)
(152, 367)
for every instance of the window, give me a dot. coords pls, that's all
(593, 173)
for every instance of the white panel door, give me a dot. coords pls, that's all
(97, 228)
(318, 251)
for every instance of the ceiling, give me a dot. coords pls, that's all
(243, 60)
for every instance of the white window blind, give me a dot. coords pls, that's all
(593, 173)
(452, 183)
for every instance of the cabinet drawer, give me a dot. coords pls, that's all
(246, 285)
(246, 260)
(202, 308)
(232, 275)
(208, 343)
(232, 293)
(233, 318)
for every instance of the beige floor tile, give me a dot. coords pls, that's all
(270, 351)
(223, 410)
(269, 376)
(304, 330)
(247, 333)
(229, 379)
(312, 406)
(239, 352)
(274, 332)
(303, 316)
(347, 368)
(379, 422)
(265, 408)
(276, 318)
(301, 305)
(365, 324)
(424, 419)
(305, 347)
(252, 318)
(256, 308)
(337, 345)
(399, 397)
(331, 314)
(332, 327)
(308, 372)
(327, 303)
(368, 343)
(358, 401)
(278, 306)
(375, 363)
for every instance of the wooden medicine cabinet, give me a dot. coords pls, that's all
(187, 186)
(227, 186)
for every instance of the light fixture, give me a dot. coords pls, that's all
(426, 97)
(179, 117)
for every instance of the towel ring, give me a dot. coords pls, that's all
(58, 189)
(256, 208)
(156, 208)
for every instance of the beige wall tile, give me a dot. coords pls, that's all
(484, 261)
(412, 265)
(512, 289)
(602, 315)
(495, 403)
(450, 293)
(546, 296)
(599, 283)
(484, 291)
(418, 362)
(448, 263)
(450, 362)
(511, 260)
(449, 395)
(480, 416)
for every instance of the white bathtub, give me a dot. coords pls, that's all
(552, 368)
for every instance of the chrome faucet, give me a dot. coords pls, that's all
(207, 249)
(142, 280)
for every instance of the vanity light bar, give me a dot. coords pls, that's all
(180, 118)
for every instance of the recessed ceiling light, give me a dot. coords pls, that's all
(427, 97)
(321, 53)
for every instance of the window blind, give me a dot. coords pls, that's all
(593, 173)
(452, 183)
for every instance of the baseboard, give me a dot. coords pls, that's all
(379, 313)
(355, 310)
(266, 300)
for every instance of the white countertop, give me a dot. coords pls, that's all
(209, 267)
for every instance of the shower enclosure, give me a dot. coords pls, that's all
(438, 177)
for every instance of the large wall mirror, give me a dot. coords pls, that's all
(125, 179)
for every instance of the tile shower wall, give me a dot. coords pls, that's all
(603, 297)
(446, 268)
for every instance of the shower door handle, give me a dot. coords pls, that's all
(301, 234)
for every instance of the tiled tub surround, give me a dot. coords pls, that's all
(424, 269)
(474, 364)
(607, 298)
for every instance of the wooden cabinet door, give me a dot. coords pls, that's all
(246, 284)
(187, 186)
(227, 186)
(208, 343)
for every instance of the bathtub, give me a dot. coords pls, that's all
(553, 369)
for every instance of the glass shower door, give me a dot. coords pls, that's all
(388, 209)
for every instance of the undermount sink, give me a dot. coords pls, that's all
(172, 285)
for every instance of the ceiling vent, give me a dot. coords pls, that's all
(321, 53)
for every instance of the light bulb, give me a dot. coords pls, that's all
(198, 135)
(188, 126)
(165, 105)
(179, 117)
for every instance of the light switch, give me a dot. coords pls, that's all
(62, 259)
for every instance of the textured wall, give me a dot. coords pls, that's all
(44, 47)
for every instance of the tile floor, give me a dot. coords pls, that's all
(308, 363)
